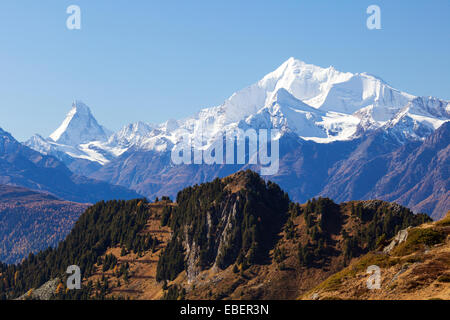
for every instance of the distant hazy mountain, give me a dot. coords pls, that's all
(22, 166)
(326, 118)
(416, 174)
(31, 221)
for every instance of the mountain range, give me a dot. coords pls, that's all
(24, 167)
(344, 135)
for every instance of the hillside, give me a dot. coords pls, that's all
(234, 238)
(416, 269)
(32, 221)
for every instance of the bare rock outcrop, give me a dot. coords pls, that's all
(401, 236)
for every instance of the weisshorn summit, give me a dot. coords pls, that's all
(334, 128)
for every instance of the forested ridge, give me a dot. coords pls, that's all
(239, 222)
(360, 226)
(225, 226)
(103, 225)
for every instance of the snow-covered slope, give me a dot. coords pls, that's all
(419, 118)
(130, 134)
(287, 113)
(319, 104)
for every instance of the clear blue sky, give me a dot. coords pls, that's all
(155, 60)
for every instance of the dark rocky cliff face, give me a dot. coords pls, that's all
(234, 220)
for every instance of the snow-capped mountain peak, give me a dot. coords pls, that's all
(306, 82)
(79, 127)
(283, 97)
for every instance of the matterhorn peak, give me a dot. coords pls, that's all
(79, 127)
(79, 107)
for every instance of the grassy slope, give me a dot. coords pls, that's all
(418, 268)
